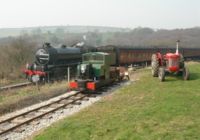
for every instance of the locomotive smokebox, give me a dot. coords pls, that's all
(42, 56)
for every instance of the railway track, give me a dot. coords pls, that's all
(20, 124)
(20, 85)
(17, 122)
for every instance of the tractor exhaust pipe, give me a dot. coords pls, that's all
(177, 46)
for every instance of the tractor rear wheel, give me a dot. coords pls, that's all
(154, 65)
(161, 74)
(186, 73)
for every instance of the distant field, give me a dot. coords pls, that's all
(147, 109)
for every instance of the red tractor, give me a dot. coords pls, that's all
(169, 63)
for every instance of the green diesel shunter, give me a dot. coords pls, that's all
(95, 71)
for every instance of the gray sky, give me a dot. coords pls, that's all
(119, 13)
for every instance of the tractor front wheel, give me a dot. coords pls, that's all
(154, 65)
(186, 73)
(161, 74)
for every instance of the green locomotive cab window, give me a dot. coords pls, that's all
(93, 58)
(86, 58)
(97, 57)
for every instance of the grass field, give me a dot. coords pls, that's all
(147, 109)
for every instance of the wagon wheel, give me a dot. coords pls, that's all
(161, 74)
(186, 73)
(154, 65)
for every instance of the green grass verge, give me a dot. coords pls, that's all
(147, 109)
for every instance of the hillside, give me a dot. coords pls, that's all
(98, 36)
(5, 32)
(146, 109)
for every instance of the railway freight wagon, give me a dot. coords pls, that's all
(51, 63)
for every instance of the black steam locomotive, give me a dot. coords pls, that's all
(51, 63)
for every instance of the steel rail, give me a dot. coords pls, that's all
(32, 110)
(15, 86)
(9, 120)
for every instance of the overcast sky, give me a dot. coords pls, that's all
(167, 14)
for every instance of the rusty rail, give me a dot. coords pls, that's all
(15, 86)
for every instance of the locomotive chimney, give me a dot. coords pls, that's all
(47, 44)
(177, 46)
(63, 46)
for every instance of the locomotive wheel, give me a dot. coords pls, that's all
(161, 74)
(186, 74)
(154, 65)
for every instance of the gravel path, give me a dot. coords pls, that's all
(26, 131)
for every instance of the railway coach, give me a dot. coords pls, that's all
(126, 55)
